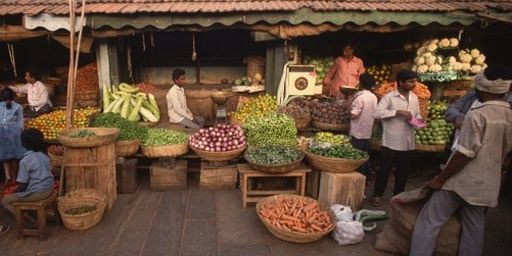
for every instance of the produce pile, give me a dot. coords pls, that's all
(295, 112)
(256, 107)
(130, 103)
(87, 78)
(332, 139)
(163, 137)
(273, 155)
(52, 123)
(81, 210)
(221, 138)
(128, 130)
(56, 150)
(438, 131)
(380, 73)
(420, 90)
(146, 87)
(296, 215)
(257, 79)
(330, 112)
(271, 130)
(340, 152)
(82, 133)
(322, 66)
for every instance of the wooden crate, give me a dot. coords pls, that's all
(126, 175)
(92, 168)
(313, 183)
(163, 178)
(218, 175)
(342, 188)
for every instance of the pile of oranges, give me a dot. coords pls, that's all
(52, 123)
(256, 107)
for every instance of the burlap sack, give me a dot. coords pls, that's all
(404, 209)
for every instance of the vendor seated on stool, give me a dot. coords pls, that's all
(177, 103)
(37, 95)
(35, 180)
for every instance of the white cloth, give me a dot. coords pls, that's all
(397, 133)
(37, 94)
(363, 106)
(497, 86)
(177, 105)
(348, 232)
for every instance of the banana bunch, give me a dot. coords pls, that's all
(127, 101)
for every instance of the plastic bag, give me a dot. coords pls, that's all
(342, 213)
(348, 232)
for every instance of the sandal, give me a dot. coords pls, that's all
(377, 201)
(4, 229)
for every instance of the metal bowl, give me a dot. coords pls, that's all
(221, 97)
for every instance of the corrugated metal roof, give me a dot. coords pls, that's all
(59, 7)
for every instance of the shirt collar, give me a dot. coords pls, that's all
(396, 93)
(494, 103)
(177, 87)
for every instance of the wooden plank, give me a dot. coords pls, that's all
(217, 177)
(126, 175)
(342, 188)
(162, 178)
(271, 192)
(313, 183)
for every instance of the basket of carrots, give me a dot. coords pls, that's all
(295, 219)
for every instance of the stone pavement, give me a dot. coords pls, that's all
(201, 222)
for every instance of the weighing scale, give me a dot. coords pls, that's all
(220, 98)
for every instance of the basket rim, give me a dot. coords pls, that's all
(309, 154)
(111, 135)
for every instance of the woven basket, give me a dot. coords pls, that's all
(148, 124)
(103, 137)
(275, 169)
(218, 156)
(79, 198)
(331, 127)
(334, 165)
(292, 236)
(430, 148)
(165, 151)
(87, 95)
(55, 160)
(302, 123)
(127, 147)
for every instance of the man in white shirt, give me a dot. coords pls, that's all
(177, 103)
(362, 110)
(37, 95)
(395, 109)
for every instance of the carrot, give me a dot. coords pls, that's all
(286, 217)
(299, 229)
(315, 227)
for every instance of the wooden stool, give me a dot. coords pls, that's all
(39, 207)
(342, 188)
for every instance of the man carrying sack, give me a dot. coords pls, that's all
(470, 181)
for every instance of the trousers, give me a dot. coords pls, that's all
(402, 161)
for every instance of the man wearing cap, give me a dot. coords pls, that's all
(470, 181)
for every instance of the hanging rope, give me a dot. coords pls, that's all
(129, 60)
(152, 40)
(143, 43)
(194, 54)
(12, 57)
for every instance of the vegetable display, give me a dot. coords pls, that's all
(380, 73)
(333, 139)
(52, 123)
(82, 133)
(297, 215)
(273, 155)
(128, 130)
(221, 138)
(330, 112)
(87, 78)
(256, 107)
(161, 137)
(146, 87)
(81, 210)
(56, 150)
(272, 130)
(340, 152)
(295, 112)
(438, 131)
(130, 103)
(322, 66)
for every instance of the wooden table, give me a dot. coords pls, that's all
(250, 195)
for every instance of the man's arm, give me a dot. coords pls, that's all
(356, 108)
(382, 111)
(330, 74)
(454, 112)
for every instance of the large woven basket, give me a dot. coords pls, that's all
(292, 236)
(335, 165)
(87, 95)
(430, 148)
(55, 160)
(275, 169)
(165, 151)
(302, 123)
(103, 136)
(127, 147)
(78, 198)
(330, 127)
(218, 156)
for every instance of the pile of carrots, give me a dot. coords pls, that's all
(87, 78)
(420, 90)
(297, 215)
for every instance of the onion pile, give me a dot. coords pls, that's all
(221, 138)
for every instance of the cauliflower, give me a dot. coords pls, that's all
(454, 42)
(462, 52)
(414, 68)
(421, 50)
(457, 66)
(484, 66)
(419, 61)
(439, 60)
(480, 59)
(475, 53)
(432, 47)
(422, 69)
(475, 69)
(430, 60)
(466, 58)
(435, 41)
(435, 68)
(444, 43)
(465, 67)
(452, 59)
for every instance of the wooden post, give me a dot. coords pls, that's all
(71, 85)
(342, 188)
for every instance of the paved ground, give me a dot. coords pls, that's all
(199, 222)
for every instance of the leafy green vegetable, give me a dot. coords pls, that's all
(162, 137)
(340, 152)
(273, 155)
(82, 133)
(271, 130)
(128, 130)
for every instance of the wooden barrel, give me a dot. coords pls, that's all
(200, 103)
(92, 168)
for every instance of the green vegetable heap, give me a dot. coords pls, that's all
(162, 137)
(128, 130)
(273, 155)
(82, 134)
(327, 137)
(272, 130)
(340, 152)
(438, 131)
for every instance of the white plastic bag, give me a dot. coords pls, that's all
(348, 232)
(342, 213)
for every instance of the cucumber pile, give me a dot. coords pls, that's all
(130, 103)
